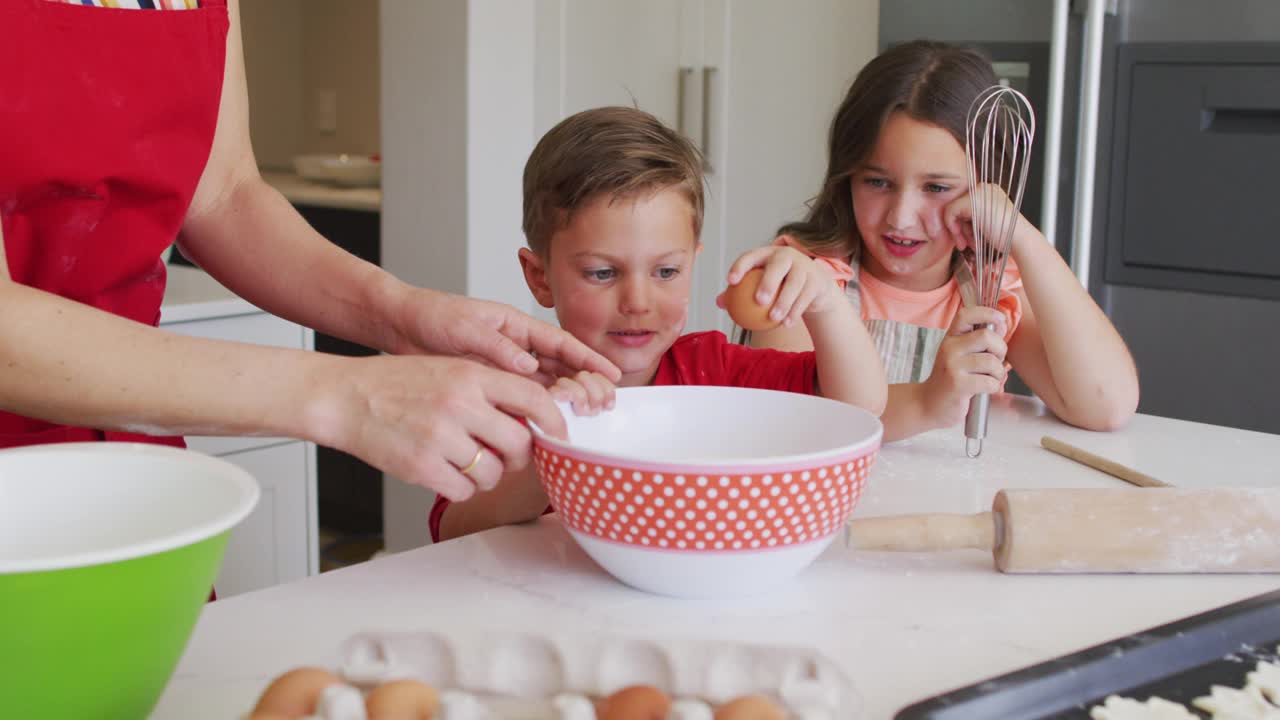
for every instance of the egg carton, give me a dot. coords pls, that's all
(494, 675)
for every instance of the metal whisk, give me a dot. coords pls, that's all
(999, 129)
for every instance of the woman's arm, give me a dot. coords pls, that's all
(65, 362)
(418, 418)
(252, 240)
(295, 272)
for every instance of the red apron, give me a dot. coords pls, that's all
(106, 121)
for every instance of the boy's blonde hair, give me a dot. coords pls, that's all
(621, 152)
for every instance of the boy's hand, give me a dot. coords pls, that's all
(794, 283)
(970, 361)
(587, 392)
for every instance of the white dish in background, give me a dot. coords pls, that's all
(341, 169)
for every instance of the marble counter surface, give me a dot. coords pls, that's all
(901, 626)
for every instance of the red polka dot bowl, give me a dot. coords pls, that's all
(708, 491)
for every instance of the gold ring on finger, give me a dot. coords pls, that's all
(472, 465)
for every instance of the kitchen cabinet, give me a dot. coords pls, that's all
(278, 542)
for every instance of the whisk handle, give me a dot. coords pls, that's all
(975, 421)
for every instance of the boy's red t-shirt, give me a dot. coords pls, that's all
(708, 358)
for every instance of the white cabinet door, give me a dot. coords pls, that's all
(784, 67)
(620, 52)
(277, 542)
(592, 53)
(754, 83)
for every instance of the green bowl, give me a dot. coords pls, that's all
(107, 555)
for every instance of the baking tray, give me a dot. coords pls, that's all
(1178, 661)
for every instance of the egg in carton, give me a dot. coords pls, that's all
(491, 675)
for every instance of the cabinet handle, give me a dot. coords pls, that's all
(682, 75)
(708, 72)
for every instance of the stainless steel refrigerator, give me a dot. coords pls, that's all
(1156, 175)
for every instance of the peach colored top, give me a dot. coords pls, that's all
(931, 308)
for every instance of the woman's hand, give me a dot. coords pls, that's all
(494, 334)
(970, 361)
(427, 419)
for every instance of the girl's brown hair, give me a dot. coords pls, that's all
(615, 151)
(932, 82)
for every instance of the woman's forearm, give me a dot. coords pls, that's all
(68, 363)
(295, 272)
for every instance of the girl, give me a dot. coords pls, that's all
(893, 220)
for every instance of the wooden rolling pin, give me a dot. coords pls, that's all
(1097, 462)
(1130, 530)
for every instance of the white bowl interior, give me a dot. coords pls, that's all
(86, 503)
(721, 425)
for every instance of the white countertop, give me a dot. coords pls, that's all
(305, 192)
(901, 626)
(192, 294)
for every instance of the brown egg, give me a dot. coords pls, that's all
(402, 700)
(750, 707)
(295, 693)
(637, 702)
(740, 301)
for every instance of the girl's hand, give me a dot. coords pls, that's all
(998, 216)
(587, 393)
(792, 282)
(969, 361)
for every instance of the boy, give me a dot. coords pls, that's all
(613, 204)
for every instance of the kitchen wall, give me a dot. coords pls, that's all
(296, 53)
